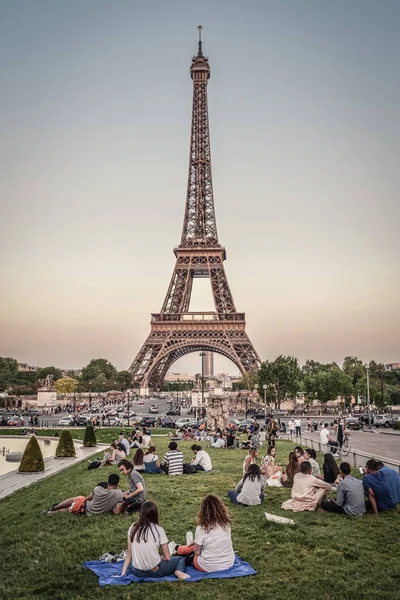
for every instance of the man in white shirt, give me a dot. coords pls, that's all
(202, 460)
(291, 427)
(297, 425)
(219, 443)
(310, 455)
(326, 439)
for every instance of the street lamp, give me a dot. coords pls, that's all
(202, 354)
(128, 406)
(265, 402)
(368, 399)
(90, 397)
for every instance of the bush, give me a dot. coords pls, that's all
(32, 459)
(397, 425)
(65, 446)
(89, 439)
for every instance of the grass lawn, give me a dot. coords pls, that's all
(322, 557)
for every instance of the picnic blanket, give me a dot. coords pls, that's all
(109, 573)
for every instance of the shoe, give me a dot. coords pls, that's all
(189, 538)
(172, 548)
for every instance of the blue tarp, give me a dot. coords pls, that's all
(108, 573)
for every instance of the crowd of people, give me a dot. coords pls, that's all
(151, 554)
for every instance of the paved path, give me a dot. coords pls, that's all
(14, 481)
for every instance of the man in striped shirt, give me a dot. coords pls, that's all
(173, 460)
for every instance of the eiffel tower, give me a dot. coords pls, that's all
(175, 331)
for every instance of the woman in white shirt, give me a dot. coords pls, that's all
(145, 538)
(250, 489)
(212, 548)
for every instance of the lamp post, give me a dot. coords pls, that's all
(90, 397)
(368, 399)
(128, 406)
(202, 354)
(265, 402)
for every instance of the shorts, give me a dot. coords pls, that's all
(78, 506)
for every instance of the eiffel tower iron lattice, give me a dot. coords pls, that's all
(175, 331)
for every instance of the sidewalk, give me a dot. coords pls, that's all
(13, 481)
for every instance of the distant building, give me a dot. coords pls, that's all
(71, 372)
(25, 368)
(172, 377)
(393, 366)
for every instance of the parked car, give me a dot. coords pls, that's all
(140, 402)
(83, 420)
(245, 424)
(14, 422)
(259, 415)
(154, 408)
(384, 421)
(66, 422)
(353, 423)
(148, 421)
(183, 422)
(114, 421)
(174, 412)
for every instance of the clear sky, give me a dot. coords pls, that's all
(95, 108)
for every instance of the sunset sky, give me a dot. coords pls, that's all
(95, 108)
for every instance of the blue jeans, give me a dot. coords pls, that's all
(232, 495)
(165, 567)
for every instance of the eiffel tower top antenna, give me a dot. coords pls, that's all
(200, 52)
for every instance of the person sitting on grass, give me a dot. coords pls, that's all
(104, 499)
(377, 489)
(268, 467)
(201, 460)
(250, 489)
(350, 495)
(251, 459)
(307, 491)
(218, 442)
(292, 468)
(330, 469)
(137, 460)
(393, 480)
(134, 498)
(151, 461)
(299, 452)
(146, 438)
(172, 463)
(145, 538)
(311, 455)
(122, 440)
(212, 549)
(117, 454)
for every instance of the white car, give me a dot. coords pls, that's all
(183, 422)
(66, 422)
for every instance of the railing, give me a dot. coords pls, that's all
(358, 456)
(197, 316)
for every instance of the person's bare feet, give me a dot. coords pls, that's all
(181, 575)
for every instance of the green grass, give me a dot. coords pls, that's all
(323, 556)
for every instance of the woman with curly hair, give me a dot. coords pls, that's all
(212, 549)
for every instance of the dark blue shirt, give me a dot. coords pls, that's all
(379, 485)
(393, 479)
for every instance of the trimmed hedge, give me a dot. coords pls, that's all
(65, 446)
(397, 425)
(32, 459)
(89, 439)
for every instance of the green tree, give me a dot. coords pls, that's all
(43, 372)
(124, 379)
(8, 372)
(98, 367)
(89, 439)
(65, 446)
(282, 377)
(66, 385)
(354, 368)
(32, 459)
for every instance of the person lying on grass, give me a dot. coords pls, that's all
(307, 491)
(250, 489)
(212, 549)
(145, 538)
(103, 499)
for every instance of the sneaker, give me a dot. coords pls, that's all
(189, 538)
(172, 548)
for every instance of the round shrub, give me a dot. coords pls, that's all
(65, 446)
(32, 459)
(89, 439)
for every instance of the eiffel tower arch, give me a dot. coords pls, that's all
(174, 330)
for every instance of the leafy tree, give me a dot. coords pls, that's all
(98, 367)
(8, 372)
(326, 385)
(89, 439)
(32, 459)
(65, 446)
(354, 368)
(43, 372)
(124, 379)
(66, 385)
(282, 377)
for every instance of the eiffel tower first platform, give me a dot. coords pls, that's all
(174, 330)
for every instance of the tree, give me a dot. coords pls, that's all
(124, 378)
(65, 446)
(98, 367)
(66, 385)
(8, 372)
(42, 373)
(328, 385)
(89, 439)
(32, 459)
(354, 368)
(282, 377)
